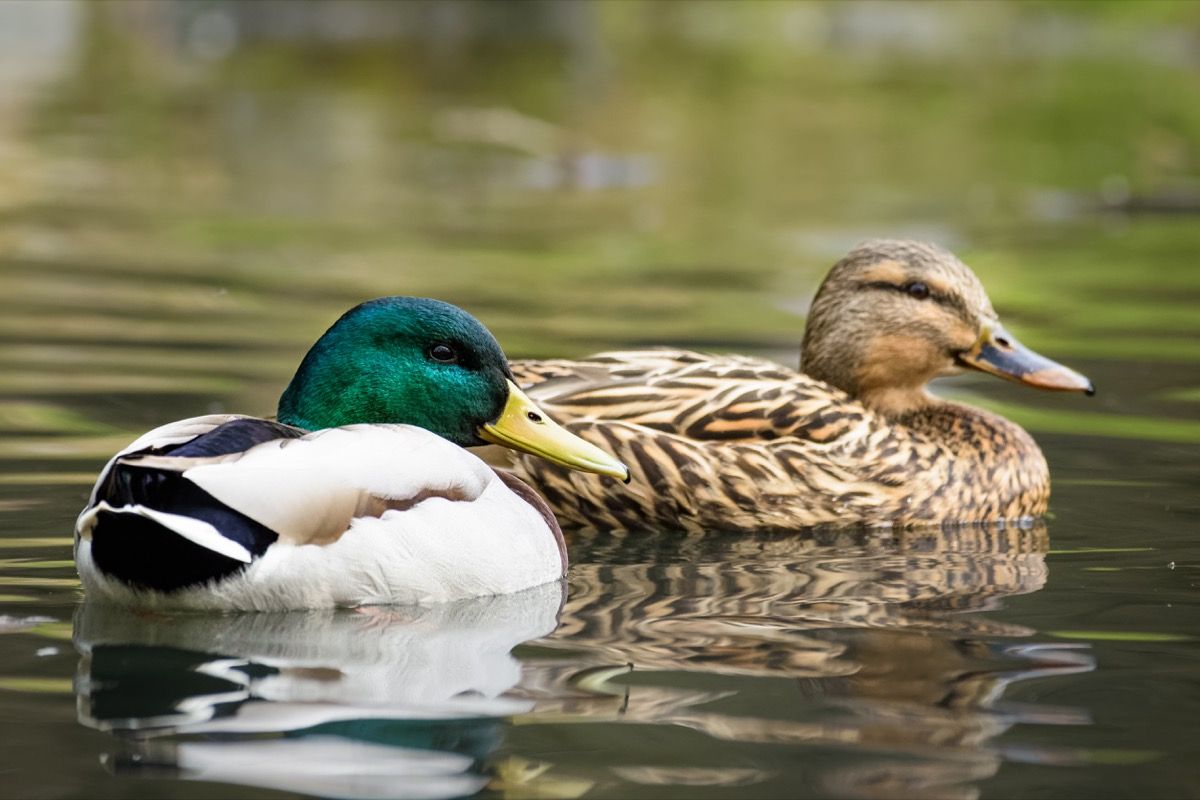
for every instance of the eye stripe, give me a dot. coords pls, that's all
(949, 301)
(902, 288)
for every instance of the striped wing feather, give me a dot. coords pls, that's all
(684, 483)
(720, 442)
(617, 365)
(692, 395)
(729, 442)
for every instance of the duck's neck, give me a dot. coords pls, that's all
(891, 401)
(889, 383)
(897, 402)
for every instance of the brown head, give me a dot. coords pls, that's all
(893, 314)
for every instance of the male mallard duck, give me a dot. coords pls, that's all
(379, 503)
(852, 438)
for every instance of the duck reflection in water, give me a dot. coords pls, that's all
(363, 703)
(896, 680)
(826, 663)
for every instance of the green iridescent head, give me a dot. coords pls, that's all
(416, 361)
(402, 360)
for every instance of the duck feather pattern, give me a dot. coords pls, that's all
(740, 443)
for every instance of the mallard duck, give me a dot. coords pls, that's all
(852, 438)
(359, 493)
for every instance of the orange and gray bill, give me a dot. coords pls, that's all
(998, 353)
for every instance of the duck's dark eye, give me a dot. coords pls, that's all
(918, 290)
(443, 353)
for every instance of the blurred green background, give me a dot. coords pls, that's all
(191, 191)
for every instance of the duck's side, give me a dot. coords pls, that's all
(744, 444)
(228, 512)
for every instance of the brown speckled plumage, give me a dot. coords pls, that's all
(740, 443)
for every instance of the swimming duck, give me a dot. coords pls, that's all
(359, 493)
(852, 438)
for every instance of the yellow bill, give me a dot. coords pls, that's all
(525, 427)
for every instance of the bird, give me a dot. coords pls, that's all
(359, 492)
(852, 438)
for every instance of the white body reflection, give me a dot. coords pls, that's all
(363, 703)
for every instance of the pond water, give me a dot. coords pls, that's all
(190, 193)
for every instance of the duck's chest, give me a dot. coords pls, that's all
(976, 466)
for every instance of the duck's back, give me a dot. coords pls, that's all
(741, 443)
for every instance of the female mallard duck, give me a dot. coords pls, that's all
(379, 503)
(853, 438)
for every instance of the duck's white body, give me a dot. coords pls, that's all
(364, 514)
